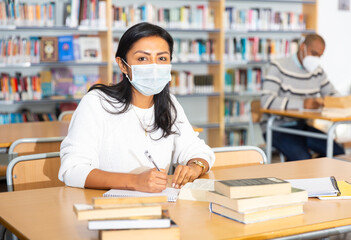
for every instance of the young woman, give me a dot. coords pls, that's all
(117, 129)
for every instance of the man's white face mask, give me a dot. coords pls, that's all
(310, 63)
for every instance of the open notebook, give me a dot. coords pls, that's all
(171, 193)
(325, 186)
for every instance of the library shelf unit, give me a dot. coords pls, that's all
(245, 97)
(215, 125)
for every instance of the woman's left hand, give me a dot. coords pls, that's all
(184, 174)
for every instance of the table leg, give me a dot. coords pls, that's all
(269, 138)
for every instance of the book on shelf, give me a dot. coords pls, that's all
(185, 17)
(65, 48)
(90, 49)
(196, 190)
(88, 212)
(48, 49)
(185, 82)
(132, 223)
(263, 214)
(236, 137)
(18, 87)
(325, 186)
(62, 79)
(253, 203)
(171, 233)
(193, 50)
(241, 188)
(262, 19)
(13, 12)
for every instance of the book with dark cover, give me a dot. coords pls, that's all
(241, 188)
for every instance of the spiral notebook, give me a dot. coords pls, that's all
(171, 193)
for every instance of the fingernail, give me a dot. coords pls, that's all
(177, 186)
(173, 184)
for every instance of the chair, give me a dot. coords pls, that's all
(27, 146)
(65, 116)
(256, 115)
(238, 156)
(34, 171)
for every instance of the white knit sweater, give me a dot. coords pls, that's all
(117, 142)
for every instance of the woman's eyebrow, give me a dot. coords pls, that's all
(147, 53)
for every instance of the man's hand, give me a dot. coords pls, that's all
(313, 103)
(151, 181)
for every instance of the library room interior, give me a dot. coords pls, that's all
(155, 119)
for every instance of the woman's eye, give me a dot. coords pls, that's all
(163, 58)
(142, 59)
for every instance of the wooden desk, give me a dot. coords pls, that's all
(48, 213)
(301, 115)
(12, 132)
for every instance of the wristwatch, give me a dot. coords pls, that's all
(200, 164)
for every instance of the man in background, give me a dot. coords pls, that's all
(295, 83)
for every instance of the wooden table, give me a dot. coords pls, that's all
(11, 132)
(329, 136)
(48, 214)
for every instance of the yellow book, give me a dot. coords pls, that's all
(345, 191)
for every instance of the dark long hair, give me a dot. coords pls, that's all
(165, 111)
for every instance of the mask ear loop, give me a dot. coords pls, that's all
(128, 66)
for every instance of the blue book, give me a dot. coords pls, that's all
(65, 48)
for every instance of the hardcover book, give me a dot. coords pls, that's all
(48, 49)
(260, 215)
(252, 203)
(253, 187)
(88, 212)
(171, 233)
(132, 223)
(65, 48)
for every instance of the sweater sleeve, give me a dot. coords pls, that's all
(327, 88)
(270, 98)
(80, 149)
(187, 144)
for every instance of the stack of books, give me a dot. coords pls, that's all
(256, 199)
(129, 218)
(337, 107)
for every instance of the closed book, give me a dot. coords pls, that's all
(253, 187)
(65, 48)
(88, 212)
(260, 215)
(172, 233)
(249, 204)
(132, 223)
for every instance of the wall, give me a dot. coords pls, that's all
(333, 25)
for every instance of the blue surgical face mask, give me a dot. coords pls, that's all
(150, 79)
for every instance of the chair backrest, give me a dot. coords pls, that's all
(255, 111)
(238, 156)
(66, 116)
(34, 171)
(26, 146)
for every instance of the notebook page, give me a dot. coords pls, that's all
(171, 193)
(315, 186)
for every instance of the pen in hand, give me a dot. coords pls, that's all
(148, 156)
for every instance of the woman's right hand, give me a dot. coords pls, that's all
(151, 181)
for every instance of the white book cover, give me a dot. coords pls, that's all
(90, 49)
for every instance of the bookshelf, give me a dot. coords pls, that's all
(257, 35)
(214, 122)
